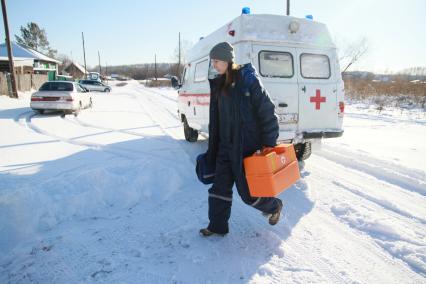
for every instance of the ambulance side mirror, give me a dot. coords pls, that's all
(175, 82)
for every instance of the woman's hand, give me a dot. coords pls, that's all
(266, 149)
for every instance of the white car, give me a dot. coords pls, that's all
(93, 85)
(61, 95)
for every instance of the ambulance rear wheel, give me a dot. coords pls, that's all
(303, 150)
(191, 134)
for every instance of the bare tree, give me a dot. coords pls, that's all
(185, 45)
(352, 52)
(64, 59)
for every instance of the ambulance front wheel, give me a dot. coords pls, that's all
(303, 150)
(191, 134)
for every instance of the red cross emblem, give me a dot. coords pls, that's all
(317, 99)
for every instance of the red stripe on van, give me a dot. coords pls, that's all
(197, 96)
(194, 95)
(201, 104)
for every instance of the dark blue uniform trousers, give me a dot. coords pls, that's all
(220, 194)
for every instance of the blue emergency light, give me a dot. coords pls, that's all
(309, 17)
(245, 11)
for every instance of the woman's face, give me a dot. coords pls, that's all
(220, 66)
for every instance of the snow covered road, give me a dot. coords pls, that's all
(111, 196)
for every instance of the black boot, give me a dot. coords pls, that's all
(275, 217)
(207, 233)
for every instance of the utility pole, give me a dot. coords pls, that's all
(155, 66)
(9, 50)
(288, 7)
(84, 54)
(106, 71)
(100, 68)
(178, 69)
(146, 75)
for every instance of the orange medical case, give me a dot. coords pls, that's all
(268, 174)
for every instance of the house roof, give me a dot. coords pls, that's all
(23, 52)
(78, 66)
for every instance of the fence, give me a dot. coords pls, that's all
(24, 82)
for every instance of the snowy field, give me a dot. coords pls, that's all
(111, 196)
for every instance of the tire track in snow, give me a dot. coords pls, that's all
(25, 119)
(407, 179)
(362, 217)
(165, 108)
(94, 146)
(361, 191)
(189, 148)
(141, 95)
(383, 203)
(298, 250)
(158, 93)
(79, 122)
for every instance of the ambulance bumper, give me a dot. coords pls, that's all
(322, 134)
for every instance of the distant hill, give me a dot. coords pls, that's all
(140, 71)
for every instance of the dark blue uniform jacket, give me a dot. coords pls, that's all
(254, 123)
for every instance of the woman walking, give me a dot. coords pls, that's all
(242, 121)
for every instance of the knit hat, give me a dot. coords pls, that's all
(222, 51)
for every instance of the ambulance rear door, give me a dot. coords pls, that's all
(276, 65)
(318, 110)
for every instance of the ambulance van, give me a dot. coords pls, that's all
(297, 63)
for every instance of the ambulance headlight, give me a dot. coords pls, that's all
(294, 26)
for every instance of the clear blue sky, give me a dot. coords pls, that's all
(131, 31)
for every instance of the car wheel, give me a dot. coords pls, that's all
(65, 112)
(191, 135)
(303, 150)
(90, 103)
(80, 107)
(107, 90)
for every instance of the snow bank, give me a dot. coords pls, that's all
(54, 196)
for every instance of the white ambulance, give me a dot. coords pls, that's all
(298, 65)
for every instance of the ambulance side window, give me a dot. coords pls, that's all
(201, 69)
(276, 64)
(315, 66)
